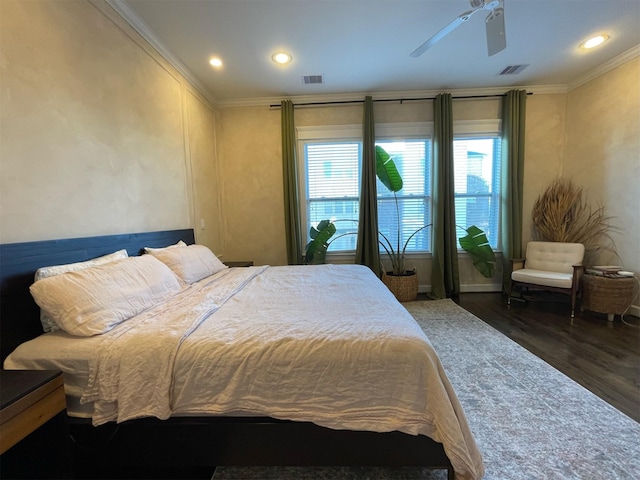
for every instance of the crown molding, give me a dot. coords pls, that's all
(606, 67)
(122, 8)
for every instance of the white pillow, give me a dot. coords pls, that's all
(192, 263)
(93, 300)
(48, 325)
(176, 245)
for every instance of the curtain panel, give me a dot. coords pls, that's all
(513, 133)
(367, 249)
(290, 182)
(445, 277)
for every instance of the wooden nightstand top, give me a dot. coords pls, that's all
(28, 398)
(15, 384)
(239, 263)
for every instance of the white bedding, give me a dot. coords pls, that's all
(327, 344)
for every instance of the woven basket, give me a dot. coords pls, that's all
(403, 287)
(607, 295)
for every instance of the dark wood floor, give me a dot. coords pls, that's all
(602, 356)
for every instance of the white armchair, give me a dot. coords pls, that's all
(551, 266)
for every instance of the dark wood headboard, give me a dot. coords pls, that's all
(19, 314)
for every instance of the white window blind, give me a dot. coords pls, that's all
(332, 189)
(477, 184)
(331, 180)
(413, 210)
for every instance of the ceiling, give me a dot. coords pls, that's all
(364, 45)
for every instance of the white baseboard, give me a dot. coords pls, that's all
(481, 287)
(496, 287)
(634, 310)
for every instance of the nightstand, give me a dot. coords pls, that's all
(29, 401)
(240, 263)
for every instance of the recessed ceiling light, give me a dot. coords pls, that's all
(215, 62)
(594, 41)
(281, 58)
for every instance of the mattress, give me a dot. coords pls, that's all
(327, 344)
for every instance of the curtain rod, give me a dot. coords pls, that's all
(401, 100)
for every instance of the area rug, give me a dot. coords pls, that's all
(530, 421)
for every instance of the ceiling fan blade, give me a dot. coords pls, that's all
(496, 35)
(443, 33)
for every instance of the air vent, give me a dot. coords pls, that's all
(312, 79)
(513, 69)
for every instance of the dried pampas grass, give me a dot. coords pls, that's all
(561, 214)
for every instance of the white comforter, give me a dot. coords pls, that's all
(326, 344)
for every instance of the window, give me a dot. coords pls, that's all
(333, 188)
(413, 160)
(330, 180)
(477, 179)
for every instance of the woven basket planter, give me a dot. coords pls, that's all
(403, 287)
(607, 295)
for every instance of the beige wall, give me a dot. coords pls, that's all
(544, 148)
(98, 134)
(602, 153)
(252, 197)
(548, 154)
(201, 123)
(251, 165)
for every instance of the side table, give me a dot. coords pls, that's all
(29, 398)
(34, 440)
(610, 295)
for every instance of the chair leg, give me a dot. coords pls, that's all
(574, 295)
(510, 296)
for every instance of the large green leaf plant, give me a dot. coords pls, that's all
(321, 237)
(476, 244)
(316, 249)
(388, 174)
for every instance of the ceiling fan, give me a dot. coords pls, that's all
(496, 38)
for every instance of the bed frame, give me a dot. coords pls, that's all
(186, 442)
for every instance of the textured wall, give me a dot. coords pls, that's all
(250, 156)
(201, 122)
(99, 135)
(603, 152)
(251, 166)
(93, 132)
(544, 150)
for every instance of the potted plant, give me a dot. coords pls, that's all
(403, 283)
(316, 249)
(562, 214)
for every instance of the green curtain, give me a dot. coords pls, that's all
(367, 249)
(513, 132)
(445, 277)
(290, 182)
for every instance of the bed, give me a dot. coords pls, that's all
(298, 365)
